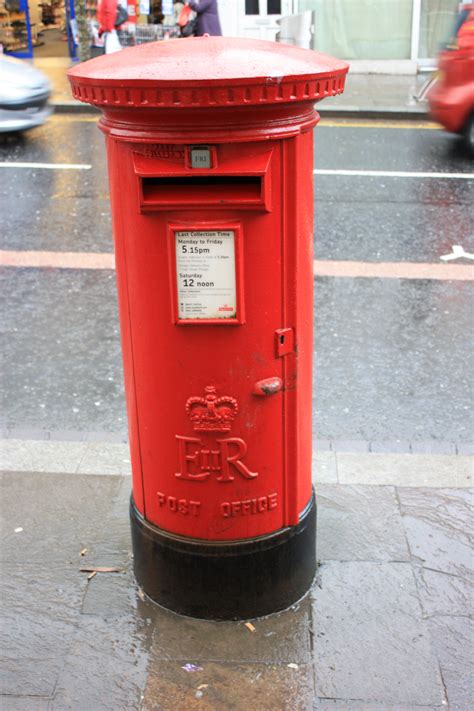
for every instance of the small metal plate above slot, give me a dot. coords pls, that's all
(200, 157)
(284, 341)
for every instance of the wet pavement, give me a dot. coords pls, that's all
(385, 626)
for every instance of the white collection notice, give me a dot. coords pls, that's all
(205, 274)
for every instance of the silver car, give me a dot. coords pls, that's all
(24, 94)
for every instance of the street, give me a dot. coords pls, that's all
(392, 355)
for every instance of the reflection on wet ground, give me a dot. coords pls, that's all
(386, 595)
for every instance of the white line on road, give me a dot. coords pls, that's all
(350, 173)
(48, 166)
(395, 174)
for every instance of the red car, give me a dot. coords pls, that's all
(451, 97)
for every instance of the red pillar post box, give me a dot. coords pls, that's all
(210, 155)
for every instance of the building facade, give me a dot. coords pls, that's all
(378, 31)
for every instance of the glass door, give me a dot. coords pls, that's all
(258, 18)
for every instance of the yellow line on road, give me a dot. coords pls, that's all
(379, 123)
(329, 123)
(328, 268)
(74, 118)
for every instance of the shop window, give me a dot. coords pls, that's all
(436, 24)
(274, 7)
(14, 31)
(362, 29)
(252, 7)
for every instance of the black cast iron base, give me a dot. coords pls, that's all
(225, 580)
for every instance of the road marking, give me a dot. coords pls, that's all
(349, 173)
(48, 166)
(57, 260)
(457, 253)
(326, 122)
(75, 118)
(343, 268)
(394, 174)
(316, 171)
(380, 123)
(394, 270)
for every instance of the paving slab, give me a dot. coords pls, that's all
(359, 523)
(453, 640)
(233, 687)
(113, 548)
(324, 467)
(40, 456)
(105, 458)
(440, 533)
(59, 516)
(281, 638)
(405, 470)
(25, 703)
(370, 642)
(106, 667)
(40, 612)
(356, 705)
(63, 457)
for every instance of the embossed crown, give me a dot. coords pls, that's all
(212, 413)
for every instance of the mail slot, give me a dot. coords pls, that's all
(210, 147)
(218, 191)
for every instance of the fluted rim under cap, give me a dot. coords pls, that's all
(206, 72)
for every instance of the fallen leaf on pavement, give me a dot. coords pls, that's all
(101, 570)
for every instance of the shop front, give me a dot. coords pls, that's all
(49, 28)
(367, 30)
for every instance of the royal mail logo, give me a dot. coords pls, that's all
(202, 457)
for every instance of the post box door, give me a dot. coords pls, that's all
(213, 370)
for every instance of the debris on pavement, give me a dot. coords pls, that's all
(250, 626)
(292, 665)
(84, 551)
(100, 569)
(18, 530)
(92, 575)
(191, 667)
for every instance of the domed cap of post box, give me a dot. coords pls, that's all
(207, 72)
